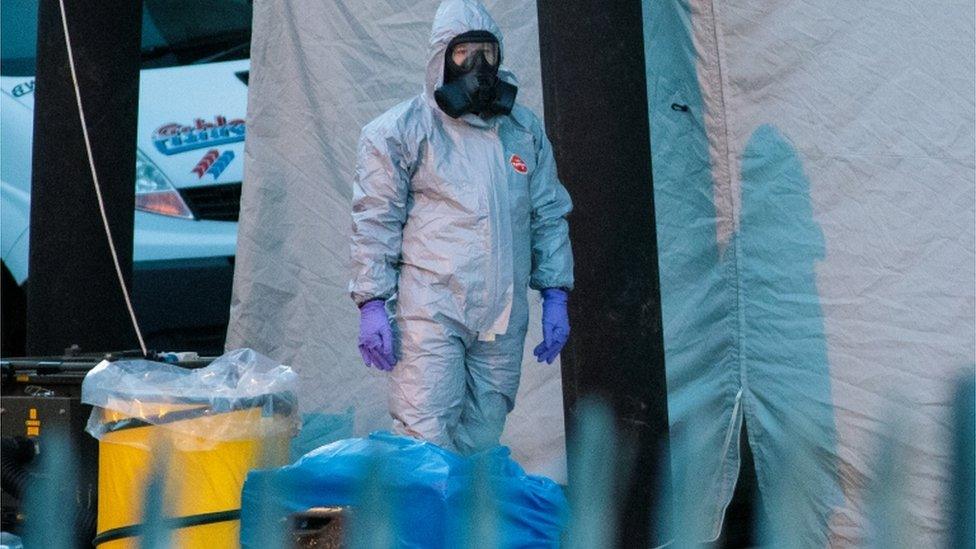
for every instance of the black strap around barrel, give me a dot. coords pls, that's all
(170, 524)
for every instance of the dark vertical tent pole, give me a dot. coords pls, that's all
(73, 293)
(594, 86)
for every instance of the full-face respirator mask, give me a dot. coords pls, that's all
(471, 83)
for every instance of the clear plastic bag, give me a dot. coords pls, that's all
(241, 395)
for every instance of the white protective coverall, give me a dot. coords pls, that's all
(452, 220)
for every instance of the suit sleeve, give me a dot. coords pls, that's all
(552, 255)
(379, 210)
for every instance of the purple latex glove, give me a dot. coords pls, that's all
(376, 336)
(555, 324)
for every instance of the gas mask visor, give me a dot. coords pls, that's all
(463, 56)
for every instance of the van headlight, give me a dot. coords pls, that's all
(154, 192)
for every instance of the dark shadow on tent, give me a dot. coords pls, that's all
(787, 402)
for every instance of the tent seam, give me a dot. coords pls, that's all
(735, 249)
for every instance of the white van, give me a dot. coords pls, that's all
(192, 103)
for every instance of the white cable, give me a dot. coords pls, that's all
(98, 189)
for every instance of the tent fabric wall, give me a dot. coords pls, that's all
(814, 186)
(319, 72)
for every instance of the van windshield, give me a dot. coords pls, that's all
(174, 32)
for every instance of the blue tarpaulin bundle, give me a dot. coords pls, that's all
(427, 490)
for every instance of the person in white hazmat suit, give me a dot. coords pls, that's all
(457, 210)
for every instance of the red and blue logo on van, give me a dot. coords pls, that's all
(213, 163)
(519, 164)
(176, 138)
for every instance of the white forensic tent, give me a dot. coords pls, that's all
(814, 186)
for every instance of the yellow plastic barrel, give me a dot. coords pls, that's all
(202, 477)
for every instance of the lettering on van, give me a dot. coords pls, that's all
(23, 88)
(176, 138)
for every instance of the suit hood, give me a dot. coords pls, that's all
(456, 17)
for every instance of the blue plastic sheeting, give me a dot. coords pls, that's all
(426, 488)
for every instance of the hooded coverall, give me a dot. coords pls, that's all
(452, 220)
